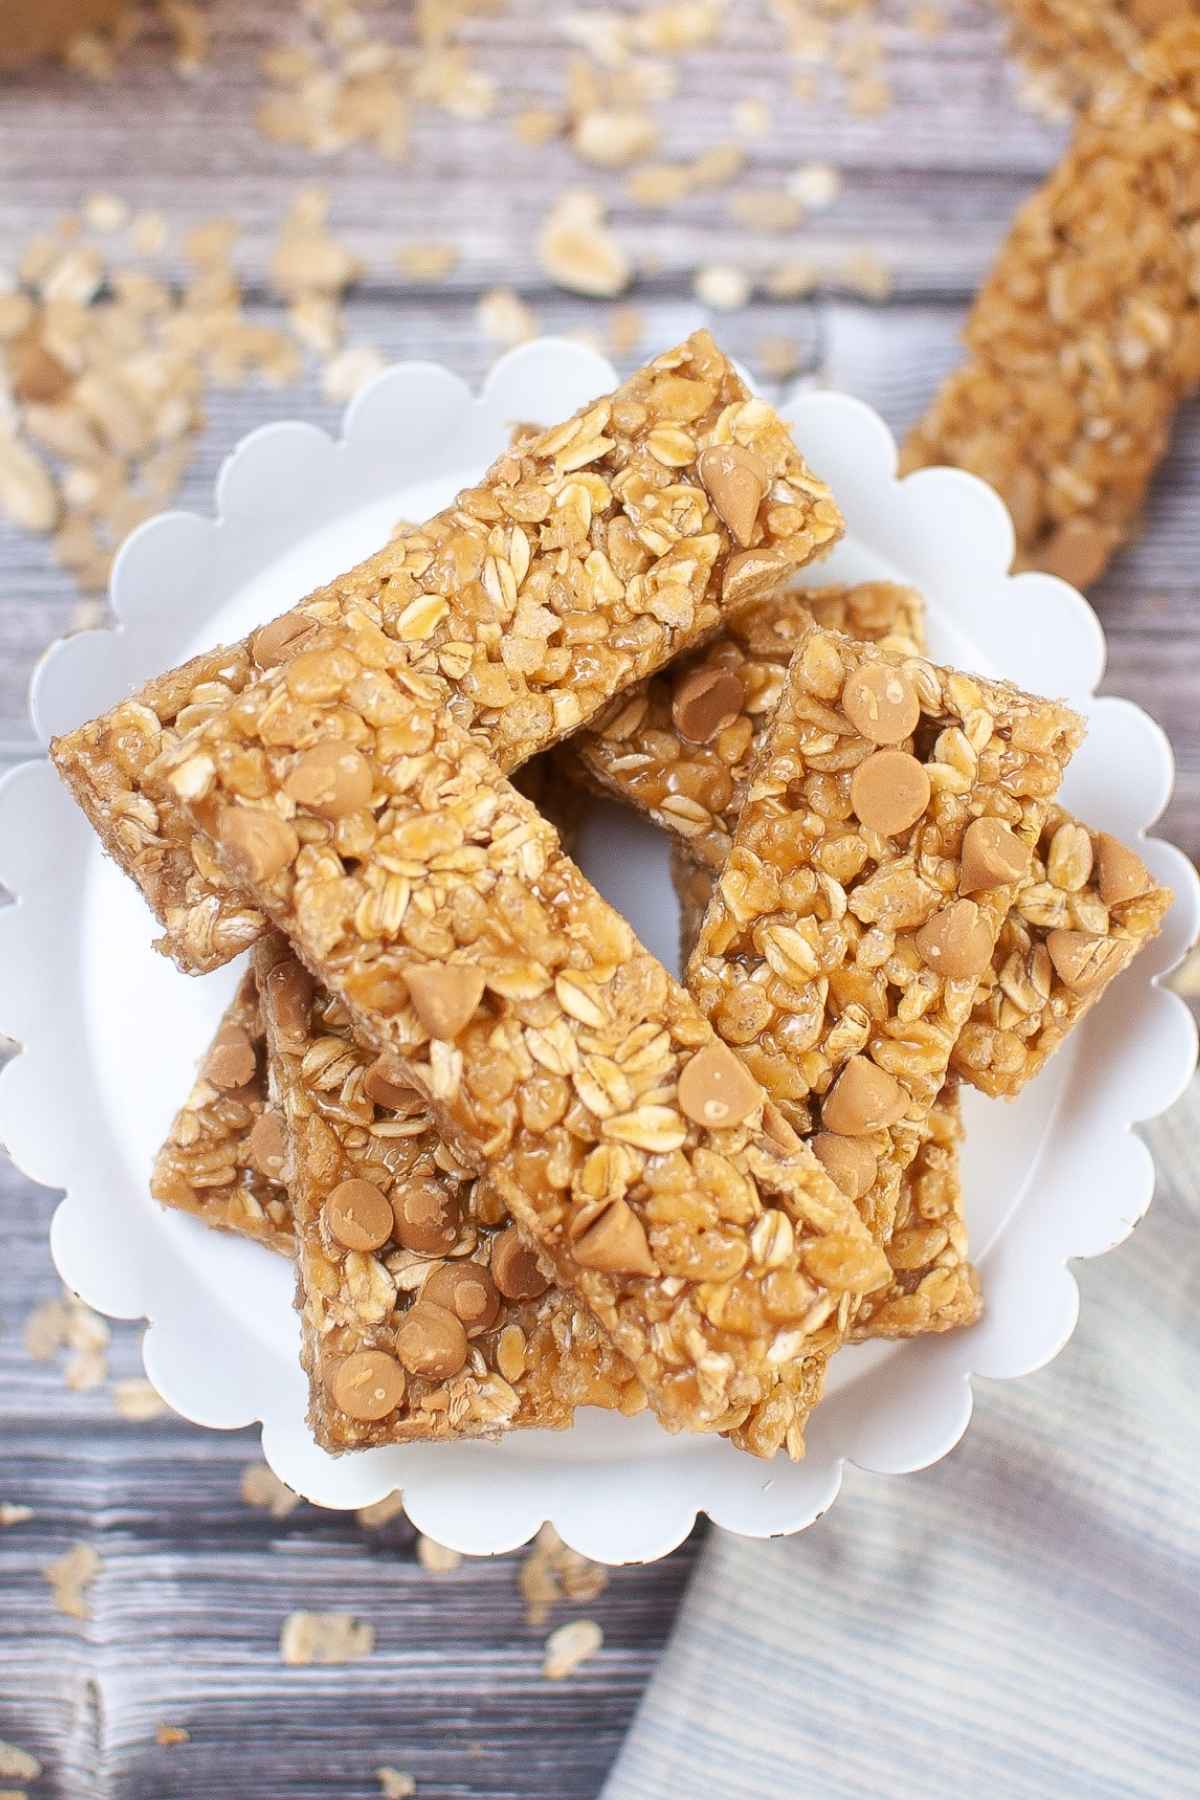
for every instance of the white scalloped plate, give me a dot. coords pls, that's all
(110, 1032)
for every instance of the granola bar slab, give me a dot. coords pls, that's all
(1086, 334)
(223, 1158)
(1090, 907)
(634, 1149)
(587, 557)
(425, 1316)
(1072, 47)
(680, 747)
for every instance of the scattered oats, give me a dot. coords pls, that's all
(660, 184)
(577, 251)
(792, 280)
(568, 1648)
(721, 286)
(869, 95)
(752, 116)
(85, 1370)
(683, 25)
(778, 357)
(394, 1784)
(17, 1764)
(815, 185)
(16, 314)
(626, 329)
(348, 373)
(170, 1735)
(427, 262)
(613, 139)
(46, 1329)
(307, 259)
(106, 212)
(505, 318)
(91, 55)
(1186, 978)
(28, 496)
(804, 86)
(439, 1559)
(148, 234)
(927, 21)
(552, 1571)
(262, 1489)
(11, 1514)
(864, 274)
(762, 210)
(192, 35)
(317, 322)
(721, 163)
(381, 1512)
(70, 1576)
(537, 126)
(308, 1637)
(138, 1399)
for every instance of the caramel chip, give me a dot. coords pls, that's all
(847, 1162)
(268, 1145)
(956, 942)
(368, 1385)
(384, 1092)
(735, 480)
(889, 791)
(444, 995)
(704, 702)
(716, 1089)
(1123, 876)
(427, 1216)
(231, 1061)
(257, 844)
(468, 1291)
(615, 1240)
(1082, 960)
(881, 703)
(992, 856)
(863, 1098)
(331, 780)
(281, 639)
(430, 1341)
(290, 990)
(359, 1215)
(749, 573)
(515, 1267)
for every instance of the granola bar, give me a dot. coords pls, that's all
(1090, 907)
(223, 1158)
(630, 1145)
(1071, 47)
(425, 1316)
(1086, 335)
(681, 746)
(589, 555)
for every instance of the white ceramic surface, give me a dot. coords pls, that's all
(110, 1032)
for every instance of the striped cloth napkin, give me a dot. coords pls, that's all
(1022, 1619)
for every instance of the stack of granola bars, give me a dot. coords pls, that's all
(522, 1169)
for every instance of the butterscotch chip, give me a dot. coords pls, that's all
(735, 480)
(332, 780)
(716, 1089)
(615, 1241)
(444, 996)
(368, 1385)
(290, 990)
(749, 573)
(257, 844)
(1083, 960)
(1123, 876)
(863, 1098)
(359, 1215)
(889, 791)
(956, 942)
(851, 1164)
(268, 1145)
(426, 1216)
(705, 702)
(992, 856)
(515, 1267)
(882, 703)
(384, 1092)
(468, 1291)
(431, 1341)
(231, 1062)
(281, 639)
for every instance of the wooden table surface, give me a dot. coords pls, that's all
(194, 1585)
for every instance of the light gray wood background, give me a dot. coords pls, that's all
(194, 1585)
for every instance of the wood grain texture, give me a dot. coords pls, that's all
(194, 1586)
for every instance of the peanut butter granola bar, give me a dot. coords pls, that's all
(1072, 47)
(1086, 335)
(1090, 906)
(555, 1052)
(588, 556)
(223, 1158)
(425, 1315)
